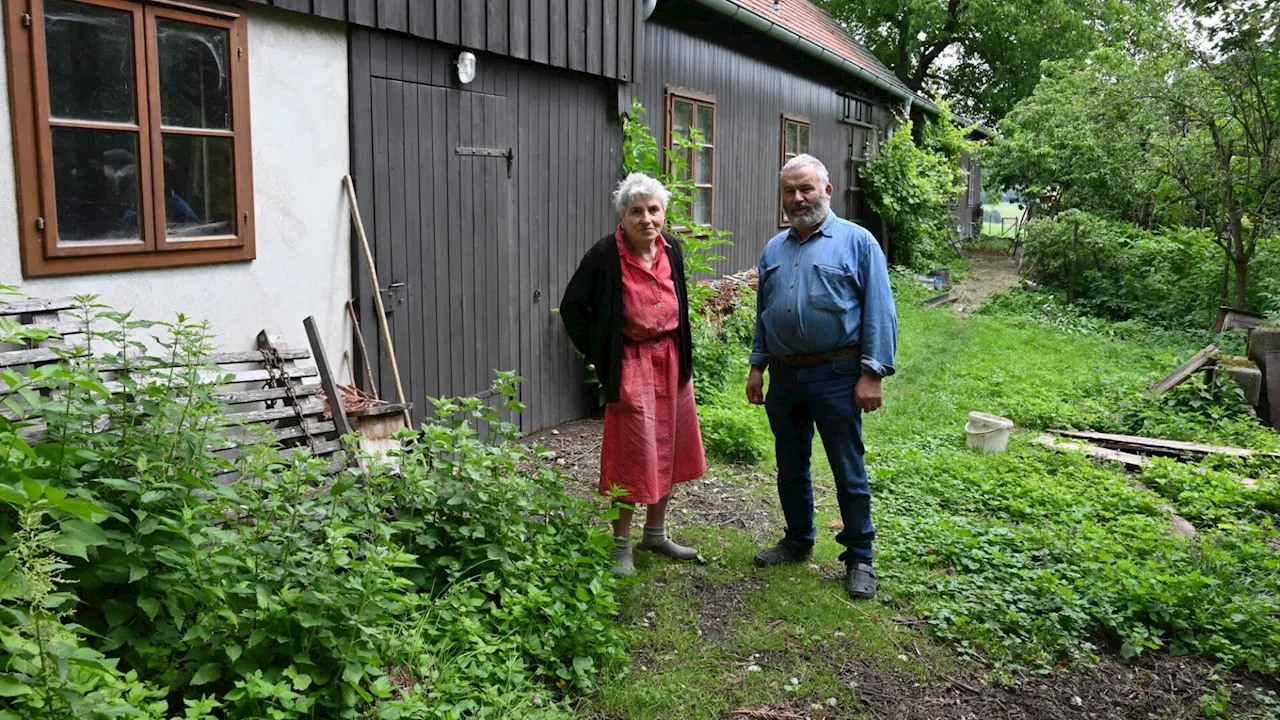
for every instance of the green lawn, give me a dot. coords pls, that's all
(1019, 564)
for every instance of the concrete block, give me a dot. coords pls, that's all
(1261, 342)
(1248, 377)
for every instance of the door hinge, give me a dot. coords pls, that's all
(40, 224)
(239, 52)
(26, 19)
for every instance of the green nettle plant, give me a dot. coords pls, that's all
(912, 186)
(462, 584)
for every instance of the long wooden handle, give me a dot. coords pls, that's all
(377, 293)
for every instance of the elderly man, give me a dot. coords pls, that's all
(826, 330)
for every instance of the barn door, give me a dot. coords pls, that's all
(441, 176)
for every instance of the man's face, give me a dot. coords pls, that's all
(805, 201)
(643, 219)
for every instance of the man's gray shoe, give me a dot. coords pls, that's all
(781, 554)
(860, 581)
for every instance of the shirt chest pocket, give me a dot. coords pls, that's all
(832, 288)
(769, 274)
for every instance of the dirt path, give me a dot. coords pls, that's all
(989, 274)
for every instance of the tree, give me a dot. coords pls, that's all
(985, 55)
(1189, 136)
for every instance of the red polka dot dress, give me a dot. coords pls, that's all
(651, 435)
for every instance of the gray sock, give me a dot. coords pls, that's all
(656, 540)
(623, 565)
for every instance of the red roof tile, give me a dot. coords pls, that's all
(809, 22)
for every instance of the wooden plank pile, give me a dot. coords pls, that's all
(271, 392)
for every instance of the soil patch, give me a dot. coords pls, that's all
(989, 274)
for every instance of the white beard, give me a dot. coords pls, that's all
(810, 216)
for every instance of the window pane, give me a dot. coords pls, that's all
(90, 51)
(194, 88)
(804, 139)
(95, 184)
(707, 122)
(681, 117)
(791, 139)
(703, 206)
(199, 186)
(702, 166)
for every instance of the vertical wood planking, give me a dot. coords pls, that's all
(558, 43)
(518, 28)
(609, 49)
(457, 332)
(363, 12)
(637, 39)
(393, 15)
(496, 26)
(595, 41)
(419, 314)
(576, 52)
(439, 170)
(625, 37)
(539, 32)
(362, 167)
(303, 6)
(448, 20)
(422, 18)
(332, 9)
(473, 24)
(396, 245)
(381, 221)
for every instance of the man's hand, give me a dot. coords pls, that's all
(755, 386)
(867, 394)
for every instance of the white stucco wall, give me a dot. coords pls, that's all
(299, 121)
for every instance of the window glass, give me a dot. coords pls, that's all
(91, 73)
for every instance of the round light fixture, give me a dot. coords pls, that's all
(466, 67)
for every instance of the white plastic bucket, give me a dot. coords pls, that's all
(988, 432)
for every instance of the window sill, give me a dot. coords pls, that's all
(34, 264)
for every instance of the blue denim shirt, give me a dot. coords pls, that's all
(823, 293)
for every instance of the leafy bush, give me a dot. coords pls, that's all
(733, 430)
(913, 187)
(462, 584)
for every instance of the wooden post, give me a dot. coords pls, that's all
(326, 378)
(377, 293)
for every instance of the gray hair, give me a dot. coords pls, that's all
(638, 185)
(801, 162)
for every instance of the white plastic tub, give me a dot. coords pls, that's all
(988, 432)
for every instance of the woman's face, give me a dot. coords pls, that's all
(643, 219)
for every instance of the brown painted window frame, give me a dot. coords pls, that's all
(29, 101)
(692, 97)
(799, 121)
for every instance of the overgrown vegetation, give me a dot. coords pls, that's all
(1030, 563)
(463, 584)
(1174, 143)
(913, 186)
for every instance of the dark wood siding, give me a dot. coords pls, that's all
(484, 259)
(754, 84)
(583, 35)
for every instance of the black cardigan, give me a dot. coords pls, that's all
(592, 311)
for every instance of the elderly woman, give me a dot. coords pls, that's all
(627, 311)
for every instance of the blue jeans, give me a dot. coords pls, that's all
(800, 398)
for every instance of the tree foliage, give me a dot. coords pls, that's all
(1189, 135)
(985, 55)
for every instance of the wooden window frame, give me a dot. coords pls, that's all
(799, 121)
(696, 99)
(30, 106)
(849, 101)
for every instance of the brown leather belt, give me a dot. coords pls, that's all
(818, 358)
